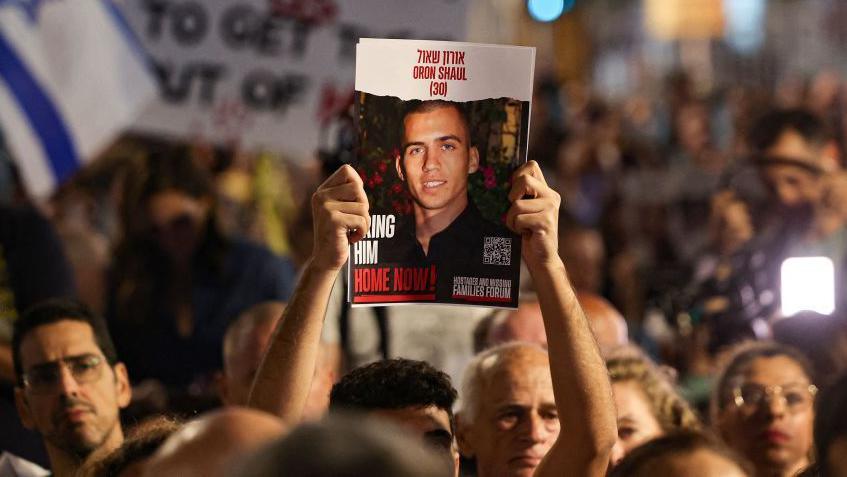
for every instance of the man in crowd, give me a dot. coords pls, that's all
(410, 393)
(33, 268)
(508, 420)
(70, 384)
(577, 377)
(527, 324)
(245, 343)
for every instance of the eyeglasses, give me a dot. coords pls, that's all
(795, 397)
(43, 378)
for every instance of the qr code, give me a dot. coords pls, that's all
(497, 251)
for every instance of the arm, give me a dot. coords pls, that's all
(580, 381)
(340, 209)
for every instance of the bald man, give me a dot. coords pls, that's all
(607, 323)
(245, 343)
(527, 324)
(210, 445)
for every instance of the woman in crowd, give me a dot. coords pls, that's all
(177, 281)
(647, 404)
(763, 407)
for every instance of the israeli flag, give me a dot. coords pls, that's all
(72, 77)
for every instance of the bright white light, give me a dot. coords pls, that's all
(745, 24)
(548, 10)
(808, 284)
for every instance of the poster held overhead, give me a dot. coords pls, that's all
(441, 126)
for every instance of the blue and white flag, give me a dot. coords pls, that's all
(72, 77)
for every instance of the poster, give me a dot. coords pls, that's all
(441, 127)
(268, 74)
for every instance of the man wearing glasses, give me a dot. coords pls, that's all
(70, 385)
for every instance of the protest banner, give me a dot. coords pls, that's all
(441, 127)
(268, 74)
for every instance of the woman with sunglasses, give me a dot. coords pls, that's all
(763, 407)
(177, 281)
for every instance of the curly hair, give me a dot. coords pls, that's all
(394, 384)
(671, 411)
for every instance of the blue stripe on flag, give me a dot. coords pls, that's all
(42, 114)
(128, 34)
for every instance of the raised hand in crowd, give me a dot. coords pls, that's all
(340, 209)
(580, 382)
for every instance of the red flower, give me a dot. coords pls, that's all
(382, 166)
(370, 183)
(377, 179)
(397, 188)
(490, 183)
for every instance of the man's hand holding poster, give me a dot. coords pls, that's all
(441, 128)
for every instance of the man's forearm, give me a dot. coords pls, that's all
(580, 381)
(282, 384)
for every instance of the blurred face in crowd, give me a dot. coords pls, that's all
(636, 422)
(584, 252)
(244, 348)
(177, 221)
(607, 324)
(430, 423)
(524, 324)
(436, 160)
(71, 395)
(793, 186)
(770, 419)
(516, 420)
(241, 361)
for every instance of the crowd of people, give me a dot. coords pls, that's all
(165, 314)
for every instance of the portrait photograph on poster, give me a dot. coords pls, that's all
(437, 171)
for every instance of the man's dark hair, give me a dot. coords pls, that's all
(770, 126)
(417, 106)
(642, 460)
(394, 384)
(830, 421)
(53, 311)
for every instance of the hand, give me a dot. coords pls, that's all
(534, 215)
(340, 211)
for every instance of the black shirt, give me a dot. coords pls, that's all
(470, 246)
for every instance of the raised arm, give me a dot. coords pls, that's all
(340, 209)
(580, 381)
